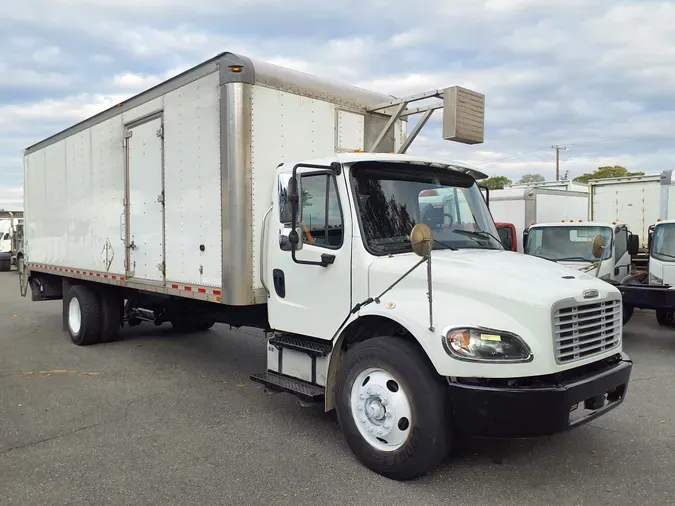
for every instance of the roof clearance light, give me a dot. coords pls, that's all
(614, 223)
(532, 223)
(236, 68)
(658, 219)
(562, 221)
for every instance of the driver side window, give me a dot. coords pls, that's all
(321, 212)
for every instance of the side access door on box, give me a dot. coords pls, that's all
(145, 200)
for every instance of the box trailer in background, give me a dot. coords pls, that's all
(554, 185)
(637, 201)
(224, 195)
(525, 206)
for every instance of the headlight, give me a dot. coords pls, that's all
(485, 345)
(655, 280)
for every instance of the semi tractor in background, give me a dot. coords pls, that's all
(244, 193)
(523, 207)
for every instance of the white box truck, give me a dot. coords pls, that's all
(523, 207)
(567, 186)
(222, 195)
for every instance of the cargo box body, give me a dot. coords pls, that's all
(167, 191)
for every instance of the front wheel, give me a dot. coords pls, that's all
(627, 313)
(393, 408)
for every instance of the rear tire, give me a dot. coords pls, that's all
(82, 310)
(111, 316)
(382, 382)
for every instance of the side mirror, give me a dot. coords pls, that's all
(598, 246)
(634, 244)
(422, 239)
(291, 216)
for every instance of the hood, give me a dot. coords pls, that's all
(476, 273)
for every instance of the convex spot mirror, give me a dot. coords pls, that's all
(422, 239)
(598, 246)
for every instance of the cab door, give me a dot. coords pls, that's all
(309, 299)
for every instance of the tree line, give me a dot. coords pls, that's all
(608, 171)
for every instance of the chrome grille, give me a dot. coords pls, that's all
(583, 330)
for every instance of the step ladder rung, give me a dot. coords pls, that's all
(299, 388)
(310, 347)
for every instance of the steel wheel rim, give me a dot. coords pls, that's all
(74, 316)
(381, 409)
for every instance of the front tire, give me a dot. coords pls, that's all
(393, 409)
(5, 265)
(82, 310)
(627, 313)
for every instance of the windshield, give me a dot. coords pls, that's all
(392, 198)
(573, 244)
(663, 243)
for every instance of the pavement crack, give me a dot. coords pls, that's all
(66, 434)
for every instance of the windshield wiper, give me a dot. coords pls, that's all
(474, 234)
(446, 246)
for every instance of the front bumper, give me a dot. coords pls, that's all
(538, 406)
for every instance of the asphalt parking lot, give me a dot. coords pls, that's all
(161, 417)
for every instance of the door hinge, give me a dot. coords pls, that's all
(128, 134)
(162, 268)
(160, 132)
(160, 198)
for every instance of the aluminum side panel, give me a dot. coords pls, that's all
(192, 183)
(285, 127)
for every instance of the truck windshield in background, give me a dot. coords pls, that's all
(663, 243)
(391, 200)
(573, 244)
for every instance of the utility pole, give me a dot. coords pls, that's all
(557, 160)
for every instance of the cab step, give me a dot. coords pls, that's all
(308, 346)
(301, 389)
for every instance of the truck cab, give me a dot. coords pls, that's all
(427, 328)
(662, 253)
(570, 244)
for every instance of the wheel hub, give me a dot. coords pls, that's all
(380, 409)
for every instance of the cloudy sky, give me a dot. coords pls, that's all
(597, 76)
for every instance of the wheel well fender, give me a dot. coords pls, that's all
(361, 329)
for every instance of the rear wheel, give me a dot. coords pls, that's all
(392, 408)
(111, 316)
(82, 311)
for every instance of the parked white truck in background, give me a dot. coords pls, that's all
(5, 244)
(567, 185)
(637, 201)
(525, 206)
(570, 244)
(221, 195)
